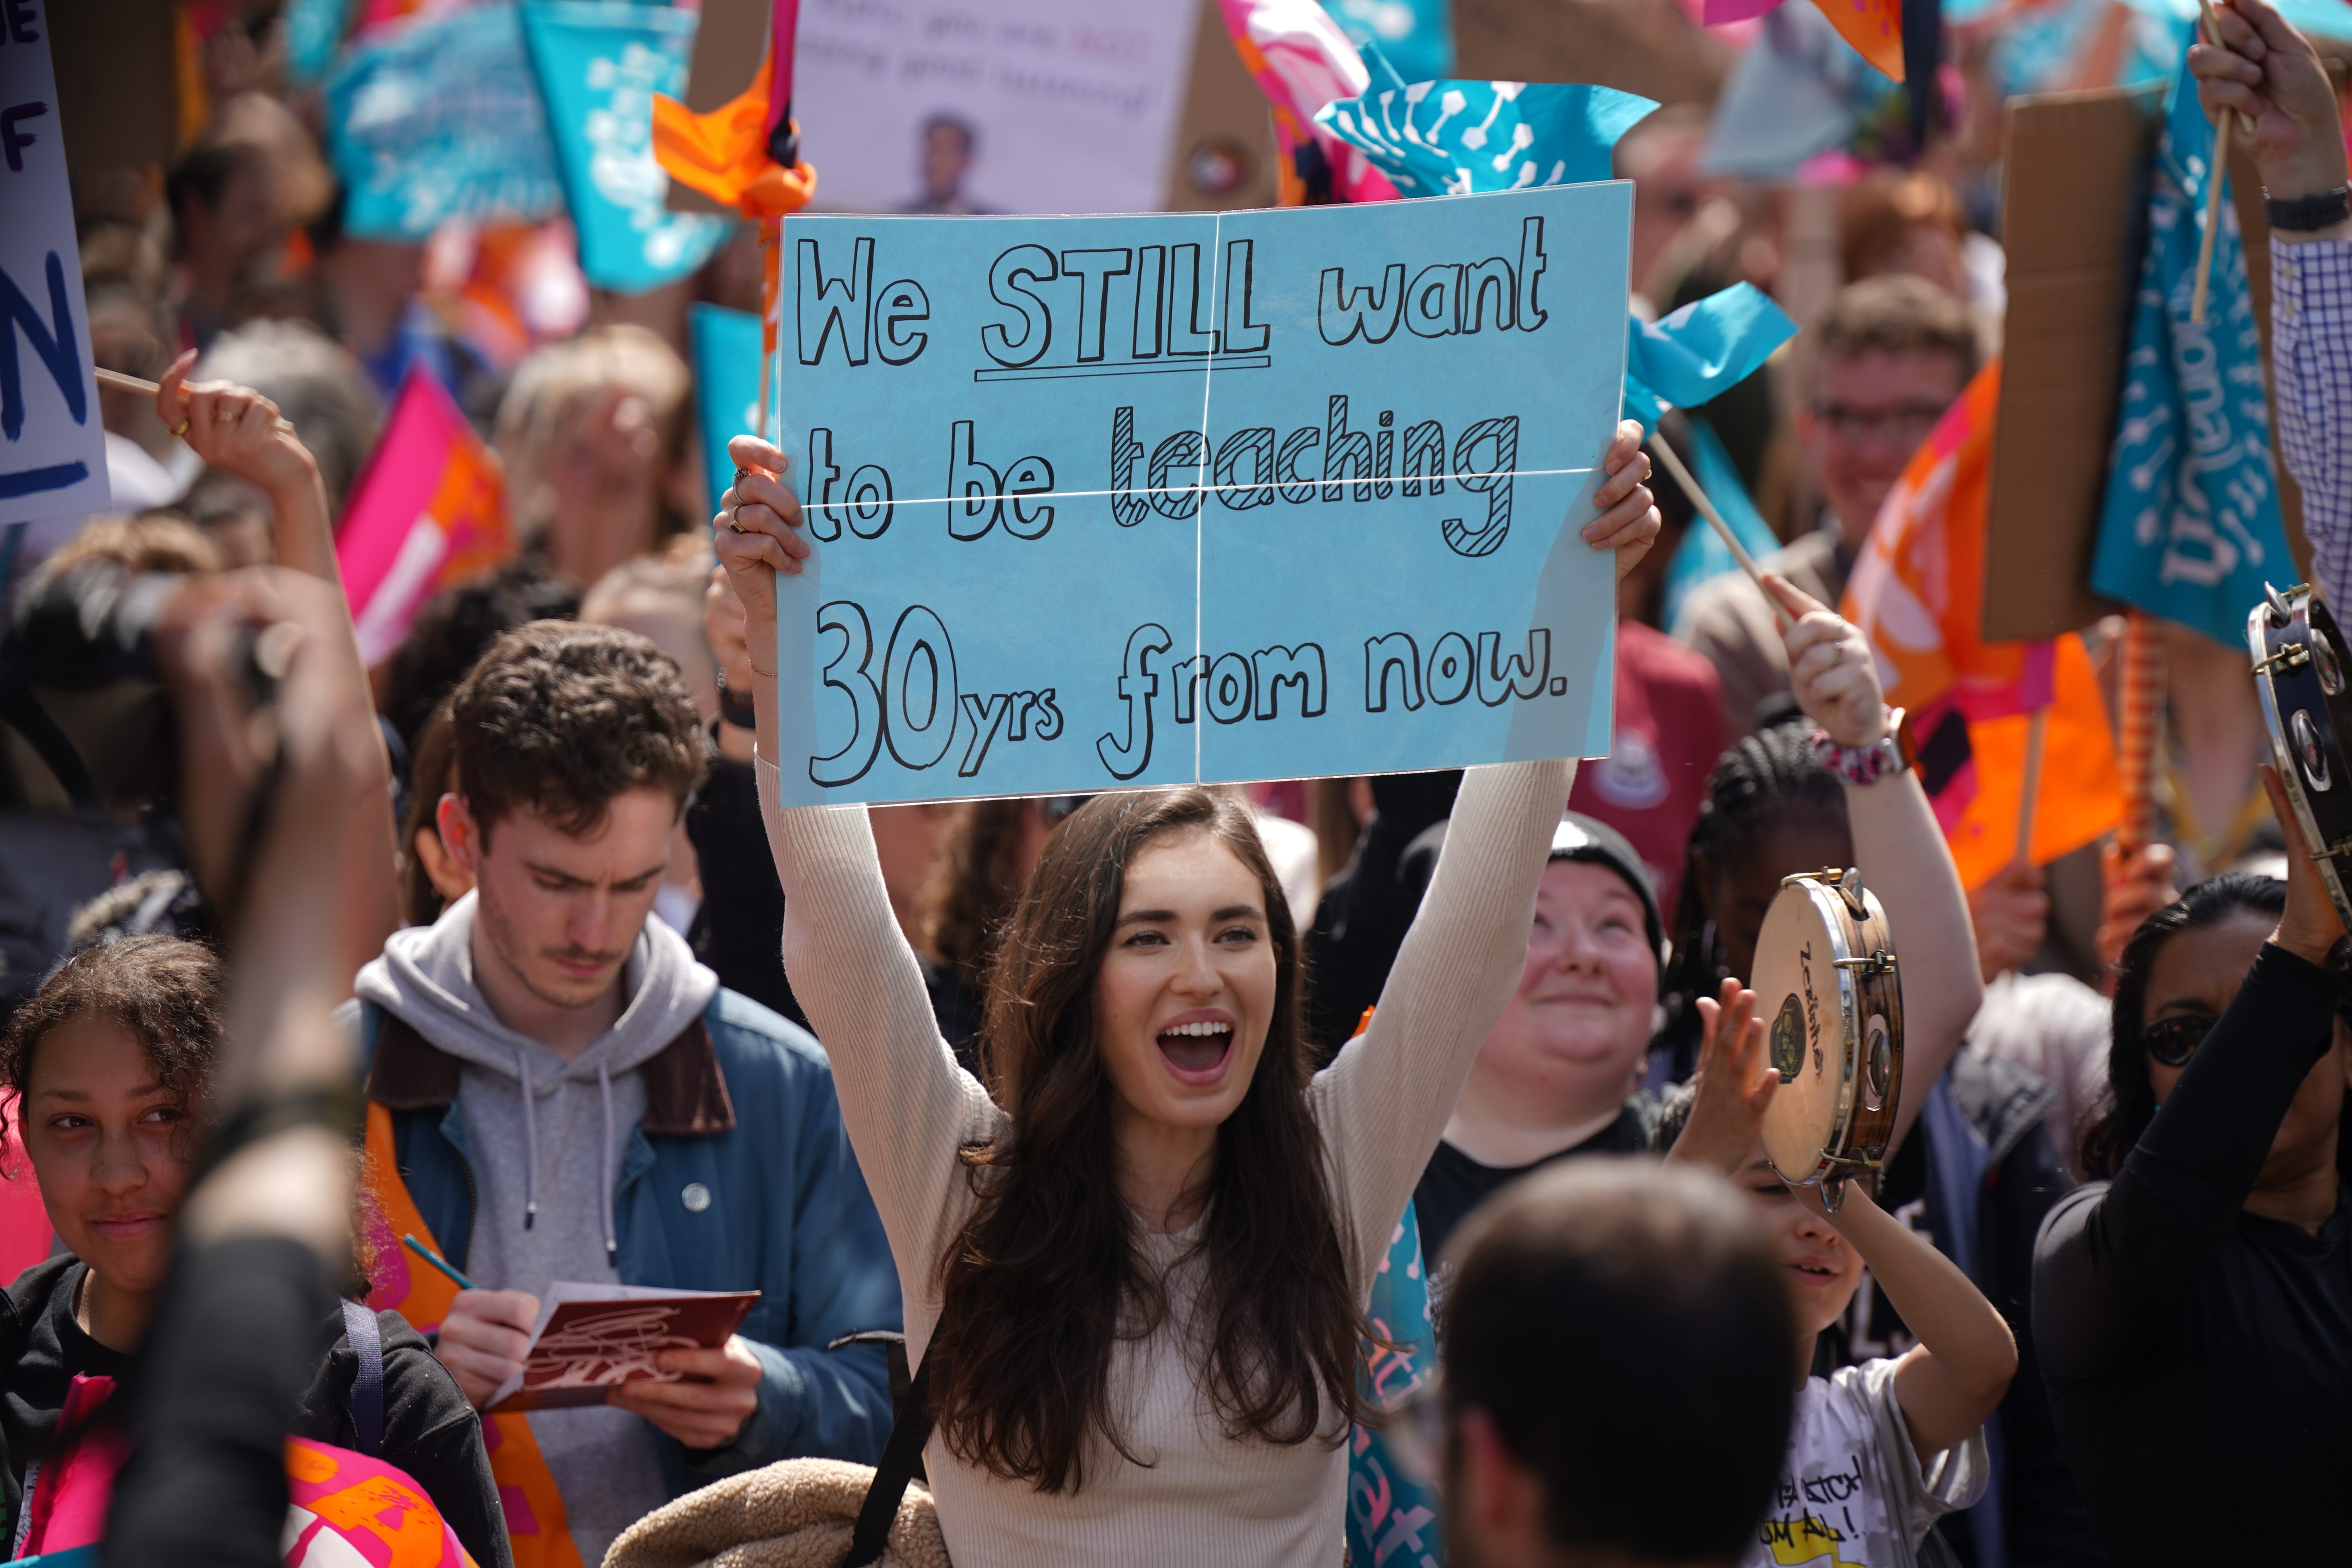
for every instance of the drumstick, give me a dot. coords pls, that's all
(2213, 184)
(1682, 475)
(121, 383)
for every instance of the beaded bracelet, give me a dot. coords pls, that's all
(1865, 764)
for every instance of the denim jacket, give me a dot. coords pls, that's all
(740, 1176)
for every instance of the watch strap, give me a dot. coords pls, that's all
(735, 707)
(2300, 215)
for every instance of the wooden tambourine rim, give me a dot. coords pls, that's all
(2304, 607)
(1855, 1140)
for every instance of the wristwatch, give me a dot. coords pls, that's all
(735, 707)
(2300, 215)
(1866, 764)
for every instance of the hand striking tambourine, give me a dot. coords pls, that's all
(1826, 987)
(2299, 669)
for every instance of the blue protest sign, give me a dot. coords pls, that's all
(726, 346)
(436, 119)
(52, 444)
(1143, 501)
(1392, 1499)
(1417, 36)
(2189, 526)
(1451, 138)
(599, 63)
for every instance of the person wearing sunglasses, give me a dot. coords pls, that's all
(2193, 1306)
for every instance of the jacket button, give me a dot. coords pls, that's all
(696, 1197)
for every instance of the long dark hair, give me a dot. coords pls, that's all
(2131, 1097)
(1045, 1278)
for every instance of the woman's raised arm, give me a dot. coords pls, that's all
(908, 1107)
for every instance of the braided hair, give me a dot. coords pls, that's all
(1763, 781)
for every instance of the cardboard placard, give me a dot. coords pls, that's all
(52, 444)
(1657, 51)
(1147, 501)
(2073, 188)
(2075, 183)
(119, 82)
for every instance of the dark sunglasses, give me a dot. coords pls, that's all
(2173, 1040)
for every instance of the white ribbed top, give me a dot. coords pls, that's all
(1381, 1106)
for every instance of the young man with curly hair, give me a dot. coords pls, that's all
(559, 1090)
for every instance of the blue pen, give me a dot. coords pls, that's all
(437, 1261)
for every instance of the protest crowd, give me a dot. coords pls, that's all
(472, 1093)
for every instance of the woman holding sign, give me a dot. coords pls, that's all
(1143, 1260)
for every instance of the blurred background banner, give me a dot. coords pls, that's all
(599, 63)
(439, 118)
(1024, 106)
(2190, 527)
(726, 385)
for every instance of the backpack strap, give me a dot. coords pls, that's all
(900, 1455)
(366, 1335)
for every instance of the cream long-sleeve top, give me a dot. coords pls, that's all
(1203, 1496)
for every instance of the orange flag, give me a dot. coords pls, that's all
(1875, 28)
(1917, 593)
(724, 153)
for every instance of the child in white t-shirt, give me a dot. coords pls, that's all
(1878, 1452)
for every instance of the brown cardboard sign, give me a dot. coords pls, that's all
(1657, 51)
(2073, 186)
(729, 43)
(118, 84)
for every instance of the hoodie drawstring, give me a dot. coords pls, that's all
(530, 1143)
(604, 1161)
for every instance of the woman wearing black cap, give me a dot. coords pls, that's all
(1557, 1074)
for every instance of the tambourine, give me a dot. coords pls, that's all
(1827, 989)
(2299, 669)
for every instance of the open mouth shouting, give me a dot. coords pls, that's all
(1196, 1046)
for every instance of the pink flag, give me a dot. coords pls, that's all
(1302, 61)
(345, 1509)
(429, 510)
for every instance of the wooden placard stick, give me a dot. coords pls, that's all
(1682, 475)
(121, 383)
(2031, 795)
(2214, 176)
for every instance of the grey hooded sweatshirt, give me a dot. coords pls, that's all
(546, 1138)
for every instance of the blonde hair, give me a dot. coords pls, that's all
(555, 382)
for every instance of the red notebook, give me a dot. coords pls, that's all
(590, 1339)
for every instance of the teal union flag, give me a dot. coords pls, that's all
(2190, 527)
